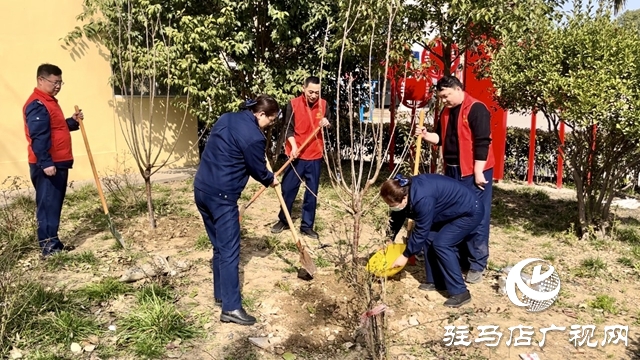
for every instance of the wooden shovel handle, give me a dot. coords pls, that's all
(416, 164)
(305, 259)
(93, 165)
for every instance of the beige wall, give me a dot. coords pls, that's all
(30, 35)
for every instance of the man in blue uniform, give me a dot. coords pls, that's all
(445, 212)
(235, 150)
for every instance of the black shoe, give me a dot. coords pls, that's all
(68, 247)
(218, 302)
(238, 316)
(473, 277)
(310, 233)
(458, 300)
(427, 287)
(279, 227)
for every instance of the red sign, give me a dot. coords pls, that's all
(432, 57)
(414, 92)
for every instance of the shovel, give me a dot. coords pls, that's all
(112, 228)
(308, 266)
(244, 207)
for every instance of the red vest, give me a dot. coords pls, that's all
(465, 138)
(306, 121)
(60, 135)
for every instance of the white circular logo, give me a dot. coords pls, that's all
(539, 291)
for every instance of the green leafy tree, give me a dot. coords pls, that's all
(235, 49)
(469, 23)
(582, 70)
(631, 19)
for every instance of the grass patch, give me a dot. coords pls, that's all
(64, 258)
(106, 289)
(531, 210)
(37, 316)
(154, 291)
(47, 356)
(151, 325)
(627, 235)
(290, 270)
(66, 326)
(590, 267)
(550, 257)
(319, 225)
(203, 242)
(249, 302)
(283, 285)
(322, 262)
(273, 243)
(605, 303)
(628, 262)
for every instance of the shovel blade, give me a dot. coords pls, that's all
(308, 265)
(115, 232)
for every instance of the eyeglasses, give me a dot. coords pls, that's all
(55, 83)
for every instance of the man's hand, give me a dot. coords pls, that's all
(50, 171)
(294, 151)
(400, 262)
(324, 122)
(480, 180)
(426, 135)
(275, 182)
(78, 116)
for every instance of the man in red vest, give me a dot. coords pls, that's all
(48, 135)
(464, 133)
(304, 115)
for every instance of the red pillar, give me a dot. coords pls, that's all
(560, 156)
(532, 148)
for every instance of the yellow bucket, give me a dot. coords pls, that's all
(380, 263)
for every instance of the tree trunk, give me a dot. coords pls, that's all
(446, 57)
(355, 244)
(582, 216)
(152, 216)
(269, 143)
(282, 137)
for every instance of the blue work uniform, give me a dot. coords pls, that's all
(50, 190)
(444, 212)
(234, 151)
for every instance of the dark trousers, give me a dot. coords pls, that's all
(50, 192)
(309, 171)
(441, 252)
(221, 221)
(476, 254)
